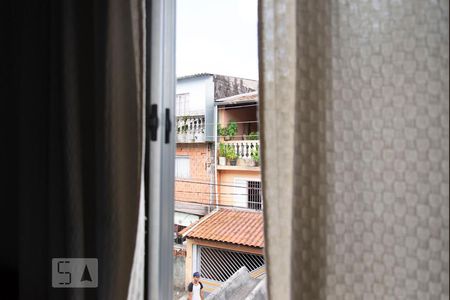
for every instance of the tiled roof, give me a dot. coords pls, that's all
(229, 226)
(203, 74)
(241, 98)
(194, 76)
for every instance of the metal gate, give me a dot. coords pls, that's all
(219, 265)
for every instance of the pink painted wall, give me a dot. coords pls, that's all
(243, 114)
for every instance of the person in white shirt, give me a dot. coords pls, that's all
(195, 288)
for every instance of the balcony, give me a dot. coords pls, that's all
(191, 129)
(243, 150)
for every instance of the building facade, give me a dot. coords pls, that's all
(223, 242)
(239, 179)
(230, 236)
(195, 165)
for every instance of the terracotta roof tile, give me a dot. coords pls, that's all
(247, 97)
(229, 226)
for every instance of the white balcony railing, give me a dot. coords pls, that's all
(191, 129)
(244, 148)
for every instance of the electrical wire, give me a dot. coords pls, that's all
(206, 193)
(218, 184)
(237, 106)
(213, 136)
(223, 183)
(238, 135)
(199, 179)
(219, 205)
(230, 107)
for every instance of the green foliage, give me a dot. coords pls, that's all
(230, 153)
(229, 131)
(222, 150)
(232, 128)
(253, 136)
(255, 154)
(222, 131)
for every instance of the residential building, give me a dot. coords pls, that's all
(229, 193)
(195, 170)
(221, 243)
(231, 237)
(238, 183)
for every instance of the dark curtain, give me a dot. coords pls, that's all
(77, 84)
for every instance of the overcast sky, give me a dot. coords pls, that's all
(217, 36)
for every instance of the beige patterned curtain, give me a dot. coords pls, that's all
(355, 122)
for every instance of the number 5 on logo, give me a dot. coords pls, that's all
(68, 273)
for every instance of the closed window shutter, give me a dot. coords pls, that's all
(241, 192)
(182, 107)
(182, 167)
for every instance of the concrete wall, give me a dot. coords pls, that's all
(238, 286)
(228, 177)
(201, 99)
(197, 89)
(179, 264)
(188, 263)
(227, 86)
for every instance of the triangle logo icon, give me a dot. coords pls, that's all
(86, 275)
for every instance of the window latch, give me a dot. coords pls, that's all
(153, 122)
(168, 126)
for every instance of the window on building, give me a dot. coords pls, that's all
(182, 167)
(254, 200)
(182, 104)
(248, 194)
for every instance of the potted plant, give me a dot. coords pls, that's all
(231, 130)
(255, 156)
(222, 132)
(222, 154)
(231, 155)
(253, 136)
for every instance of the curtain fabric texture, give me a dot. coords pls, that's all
(81, 140)
(355, 124)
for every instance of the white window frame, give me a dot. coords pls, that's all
(195, 258)
(241, 191)
(160, 88)
(182, 104)
(178, 159)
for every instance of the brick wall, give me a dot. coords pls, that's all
(200, 170)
